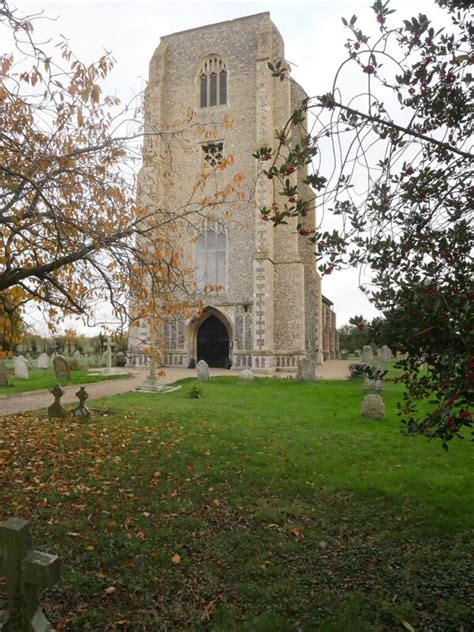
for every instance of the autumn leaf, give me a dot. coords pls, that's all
(176, 559)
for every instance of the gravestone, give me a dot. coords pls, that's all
(77, 355)
(120, 358)
(3, 374)
(56, 409)
(202, 370)
(61, 368)
(21, 367)
(373, 407)
(25, 571)
(367, 353)
(246, 374)
(307, 370)
(386, 354)
(376, 385)
(42, 362)
(82, 411)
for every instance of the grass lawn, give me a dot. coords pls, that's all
(263, 507)
(46, 378)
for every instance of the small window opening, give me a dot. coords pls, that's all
(213, 154)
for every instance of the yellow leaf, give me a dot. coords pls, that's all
(95, 94)
(90, 547)
(176, 559)
(110, 590)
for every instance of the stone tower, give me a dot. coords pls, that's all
(257, 285)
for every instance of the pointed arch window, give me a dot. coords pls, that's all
(211, 257)
(213, 83)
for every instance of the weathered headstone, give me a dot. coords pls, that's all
(367, 353)
(25, 571)
(56, 409)
(77, 355)
(21, 367)
(246, 374)
(202, 370)
(386, 354)
(3, 374)
(120, 358)
(42, 361)
(373, 407)
(376, 385)
(61, 368)
(82, 410)
(307, 370)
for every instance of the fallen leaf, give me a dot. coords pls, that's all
(176, 559)
(298, 534)
(90, 547)
(323, 544)
(110, 590)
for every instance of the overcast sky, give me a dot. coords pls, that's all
(314, 43)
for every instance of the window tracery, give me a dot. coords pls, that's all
(213, 83)
(211, 257)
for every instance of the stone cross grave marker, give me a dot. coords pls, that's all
(3, 374)
(42, 361)
(25, 571)
(202, 370)
(21, 367)
(61, 368)
(82, 410)
(56, 409)
(152, 383)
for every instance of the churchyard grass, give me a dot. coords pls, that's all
(45, 378)
(262, 506)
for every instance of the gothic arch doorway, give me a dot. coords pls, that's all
(213, 343)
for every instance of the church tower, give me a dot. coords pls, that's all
(257, 285)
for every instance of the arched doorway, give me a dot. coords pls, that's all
(213, 343)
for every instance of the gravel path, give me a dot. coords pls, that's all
(35, 400)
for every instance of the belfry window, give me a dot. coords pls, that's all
(213, 83)
(211, 257)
